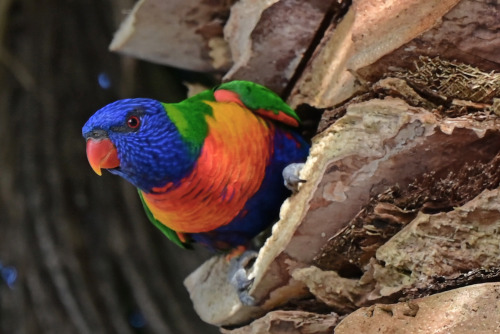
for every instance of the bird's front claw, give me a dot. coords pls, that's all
(291, 176)
(238, 276)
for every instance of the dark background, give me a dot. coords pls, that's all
(77, 253)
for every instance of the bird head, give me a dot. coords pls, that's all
(135, 139)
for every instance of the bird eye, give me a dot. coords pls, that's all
(133, 122)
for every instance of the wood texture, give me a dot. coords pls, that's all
(401, 198)
(180, 33)
(405, 135)
(470, 309)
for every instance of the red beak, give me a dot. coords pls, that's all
(101, 153)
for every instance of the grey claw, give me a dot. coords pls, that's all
(238, 278)
(291, 176)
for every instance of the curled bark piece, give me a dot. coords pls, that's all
(179, 33)
(342, 214)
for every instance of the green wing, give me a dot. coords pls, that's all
(169, 233)
(259, 99)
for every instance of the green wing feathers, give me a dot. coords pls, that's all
(259, 99)
(170, 234)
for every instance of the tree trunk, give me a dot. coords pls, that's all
(402, 195)
(77, 252)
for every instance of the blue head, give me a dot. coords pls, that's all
(135, 139)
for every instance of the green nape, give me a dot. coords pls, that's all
(169, 233)
(189, 116)
(256, 96)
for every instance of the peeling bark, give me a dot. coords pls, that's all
(185, 34)
(256, 46)
(343, 213)
(377, 38)
(402, 178)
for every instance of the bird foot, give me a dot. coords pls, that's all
(291, 176)
(238, 276)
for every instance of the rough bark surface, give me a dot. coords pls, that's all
(472, 309)
(406, 163)
(402, 192)
(257, 46)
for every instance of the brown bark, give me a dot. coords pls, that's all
(409, 133)
(401, 198)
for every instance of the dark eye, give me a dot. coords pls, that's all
(133, 122)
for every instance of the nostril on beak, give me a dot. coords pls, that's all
(96, 134)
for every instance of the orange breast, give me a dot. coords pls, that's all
(229, 171)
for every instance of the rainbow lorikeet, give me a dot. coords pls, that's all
(209, 168)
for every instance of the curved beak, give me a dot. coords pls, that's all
(102, 153)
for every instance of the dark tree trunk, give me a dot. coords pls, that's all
(86, 259)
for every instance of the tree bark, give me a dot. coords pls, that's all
(401, 199)
(405, 161)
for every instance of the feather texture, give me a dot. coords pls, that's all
(229, 170)
(208, 168)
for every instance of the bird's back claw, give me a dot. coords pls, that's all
(238, 276)
(291, 176)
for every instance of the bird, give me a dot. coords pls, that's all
(207, 169)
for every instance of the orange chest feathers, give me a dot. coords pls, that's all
(229, 170)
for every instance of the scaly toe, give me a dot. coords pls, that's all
(291, 176)
(238, 276)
